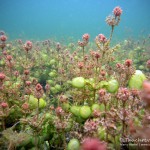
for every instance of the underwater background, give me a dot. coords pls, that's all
(67, 20)
(74, 74)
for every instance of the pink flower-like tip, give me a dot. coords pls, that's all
(16, 73)
(28, 46)
(3, 38)
(102, 92)
(47, 87)
(26, 72)
(4, 105)
(93, 144)
(29, 43)
(146, 86)
(59, 111)
(86, 36)
(97, 55)
(117, 11)
(28, 83)
(103, 73)
(25, 106)
(146, 92)
(2, 76)
(118, 65)
(148, 64)
(80, 65)
(38, 87)
(9, 57)
(81, 43)
(128, 62)
(5, 52)
(102, 38)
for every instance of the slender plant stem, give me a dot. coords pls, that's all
(38, 110)
(105, 121)
(94, 93)
(83, 53)
(123, 121)
(111, 34)
(36, 141)
(3, 123)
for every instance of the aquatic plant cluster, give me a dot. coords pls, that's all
(75, 97)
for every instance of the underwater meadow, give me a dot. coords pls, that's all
(75, 75)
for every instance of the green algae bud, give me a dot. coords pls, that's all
(101, 133)
(52, 74)
(95, 107)
(75, 110)
(141, 67)
(33, 102)
(112, 86)
(66, 106)
(90, 81)
(51, 82)
(78, 82)
(44, 56)
(136, 80)
(73, 144)
(103, 84)
(85, 112)
(2, 63)
(140, 74)
(58, 87)
(102, 107)
(52, 62)
(54, 90)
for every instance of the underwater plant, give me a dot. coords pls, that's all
(74, 97)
